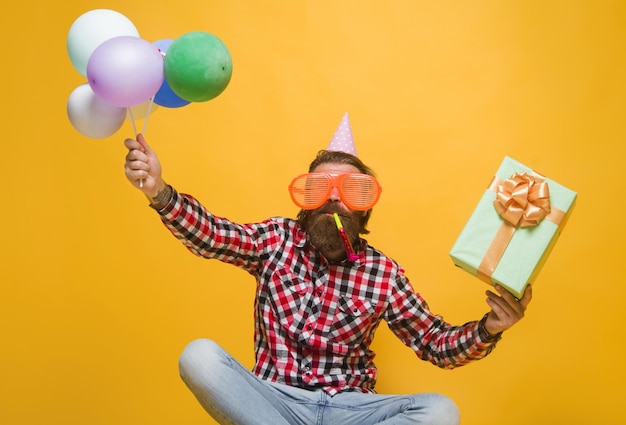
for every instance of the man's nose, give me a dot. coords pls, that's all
(334, 195)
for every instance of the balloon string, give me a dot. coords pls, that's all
(132, 120)
(145, 122)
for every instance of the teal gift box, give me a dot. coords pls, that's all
(515, 225)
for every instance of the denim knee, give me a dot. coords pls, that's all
(442, 410)
(200, 354)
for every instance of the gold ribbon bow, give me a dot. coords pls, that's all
(523, 200)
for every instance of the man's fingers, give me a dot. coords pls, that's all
(133, 144)
(508, 305)
(142, 142)
(497, 309)
(138, 165)
(506, 310)
(136, 155)
(500, 306)
(511, 300)
(528, 295)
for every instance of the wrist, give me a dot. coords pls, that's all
(162, 196)
(484, 333)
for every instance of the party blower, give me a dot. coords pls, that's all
(352, 256)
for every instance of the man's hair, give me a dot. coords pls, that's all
(336, 157)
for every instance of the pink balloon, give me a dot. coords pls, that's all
(125, 71)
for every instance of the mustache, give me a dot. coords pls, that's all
(330, 208)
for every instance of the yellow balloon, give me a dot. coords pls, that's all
(141, 111)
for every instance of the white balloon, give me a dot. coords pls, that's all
(93, 28)
(91, 116)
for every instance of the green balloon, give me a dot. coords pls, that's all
(198, 66)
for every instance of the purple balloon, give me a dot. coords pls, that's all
(125, 71)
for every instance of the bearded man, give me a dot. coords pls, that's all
(319, 300)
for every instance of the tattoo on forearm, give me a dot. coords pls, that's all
(162, 197)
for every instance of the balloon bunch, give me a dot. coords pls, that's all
(125, 72)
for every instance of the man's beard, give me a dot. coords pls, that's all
(322, 229)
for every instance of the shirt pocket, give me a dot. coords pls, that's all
(352, 321)
(287, 296)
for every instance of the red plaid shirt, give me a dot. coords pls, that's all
(314, 320)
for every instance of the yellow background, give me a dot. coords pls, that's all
(97, 299)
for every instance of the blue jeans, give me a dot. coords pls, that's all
(231, 394)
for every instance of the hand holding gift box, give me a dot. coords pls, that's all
(514, 227)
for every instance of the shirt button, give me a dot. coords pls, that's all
(309, 327)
